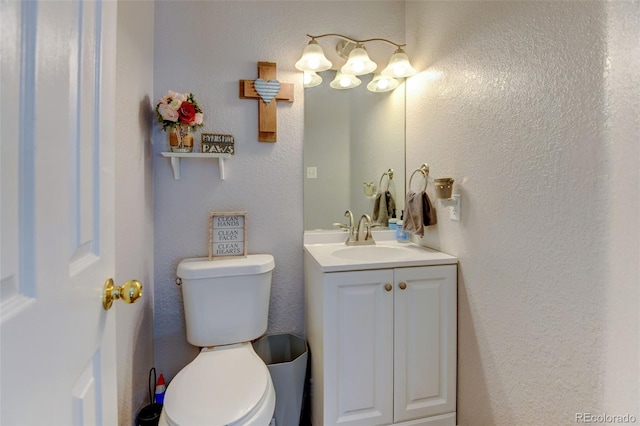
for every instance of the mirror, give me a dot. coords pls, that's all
(351, 137)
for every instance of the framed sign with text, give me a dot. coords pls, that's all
(227, 235)
(213, 143)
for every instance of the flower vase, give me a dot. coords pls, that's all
(181, 139)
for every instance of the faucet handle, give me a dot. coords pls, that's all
(343, 226)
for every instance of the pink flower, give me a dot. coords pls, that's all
(199, 118)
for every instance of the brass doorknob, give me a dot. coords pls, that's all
(129, 292)
(388, 287)
(402, 285)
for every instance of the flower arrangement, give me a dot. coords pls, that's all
(176, 109)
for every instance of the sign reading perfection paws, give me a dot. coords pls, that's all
(265, 89)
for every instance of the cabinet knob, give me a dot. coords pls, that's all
(402, 285)
(388, 287)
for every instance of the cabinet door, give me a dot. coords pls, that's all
(425, 341)
(358, 347)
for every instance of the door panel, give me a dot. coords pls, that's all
(359, 364)
(425, 320)
(58, 343)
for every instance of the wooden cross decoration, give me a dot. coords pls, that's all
(266, 89)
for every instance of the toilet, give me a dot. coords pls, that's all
(226, 305)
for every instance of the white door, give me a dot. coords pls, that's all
(358, 345)
(57, 343)
(425, 342)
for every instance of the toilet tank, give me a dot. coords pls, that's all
(226, 301)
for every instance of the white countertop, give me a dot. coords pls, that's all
(322, 246)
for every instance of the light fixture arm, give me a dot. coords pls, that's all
(352, 40)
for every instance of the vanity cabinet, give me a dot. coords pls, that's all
(383, 345)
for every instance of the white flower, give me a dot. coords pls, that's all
(168, 113)
(199, 118)
(175, 95)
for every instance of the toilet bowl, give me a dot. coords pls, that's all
(226, 305)
(227, 385)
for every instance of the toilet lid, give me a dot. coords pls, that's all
(220, 387)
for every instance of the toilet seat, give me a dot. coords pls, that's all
(226, 385)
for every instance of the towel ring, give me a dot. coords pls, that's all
(424, 169)
(389, 175)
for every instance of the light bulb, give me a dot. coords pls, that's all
(345, 81)
(399, 70)
(399, 65)
(359, 62)
(313, 63)
(313, 58)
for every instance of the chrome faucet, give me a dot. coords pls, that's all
(363, 233)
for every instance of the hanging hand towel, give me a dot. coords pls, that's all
(391, 207)
(414, 213)
(419, 212)
(380, 208)
(383, 206)
(429, 216)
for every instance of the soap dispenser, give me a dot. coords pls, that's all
(401, 235)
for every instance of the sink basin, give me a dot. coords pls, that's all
(329, 252)
(373, 253)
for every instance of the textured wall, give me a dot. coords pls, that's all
(134, 203)
(622, 322)
(206, 47)
(512, 101)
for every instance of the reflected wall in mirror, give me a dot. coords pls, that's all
(351, 137)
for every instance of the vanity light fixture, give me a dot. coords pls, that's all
(358, 62)
(345, 81)
(311, 79)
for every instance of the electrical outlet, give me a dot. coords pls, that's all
(312, 172)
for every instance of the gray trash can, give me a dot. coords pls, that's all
(286, 359)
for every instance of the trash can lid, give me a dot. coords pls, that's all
(221, 386)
